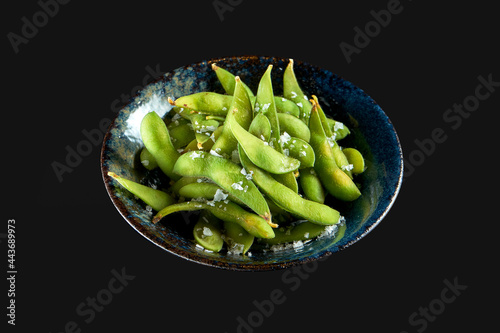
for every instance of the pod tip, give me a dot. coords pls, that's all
(171, 101)
(215, 67)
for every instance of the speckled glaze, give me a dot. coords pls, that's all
(371, 133)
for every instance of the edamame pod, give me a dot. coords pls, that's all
(261, 153)
(155, 198)
(294, 126)
(226, 143)
(156, 138)
(147, 159)
(355, 158)
(339, 129)
(287, 198)
(311, 185)
(293, 92)
(227, 80)
(336, 181)
(298, 149)
(266, 102)
(237, 238)
(181, 135)
(229, 212)
(260, 127)
(227, 175)
(286, 106)
(209, 191)
(207, 232)
(203, 128)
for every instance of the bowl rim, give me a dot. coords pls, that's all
(245, 266)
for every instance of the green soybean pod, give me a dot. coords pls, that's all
(322, 117)
(266, 102)
(209, 191)
(227, 80)
(155, 198)
(230, 212)
(261, 154)
(302, 231)
(181, 135)
(298, 149)
(226, 142)
(287, 199)
(286, 106)
(355, 158)
(340, 129)
(335, 181)
(205, 146)
(202, 127)
(183, 181)
(156, 138)
(207, 232)
(227, 175)
(147, 159)
(293, 92)
(311, 185)
(205, 102)
(237, 238)
(294, 126)
(260, 127)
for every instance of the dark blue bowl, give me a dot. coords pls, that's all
(371, 133)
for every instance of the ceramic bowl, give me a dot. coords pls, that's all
(372, 134)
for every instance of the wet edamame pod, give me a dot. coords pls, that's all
(156, 138)
(226, 78)
(155, 198)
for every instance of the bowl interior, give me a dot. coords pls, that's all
(371, 133)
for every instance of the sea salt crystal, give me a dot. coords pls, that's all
(265, 107)
(213, 152)
(196, 155)
(337, 126)
(347, 167)
(237, 186)
(220, 195)
(299, 104)
(285, 137)
(207, 231)
(294, 94)
(302, 153)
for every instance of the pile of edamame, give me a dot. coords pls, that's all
(256, 165)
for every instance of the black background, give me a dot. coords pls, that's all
(69, 236)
